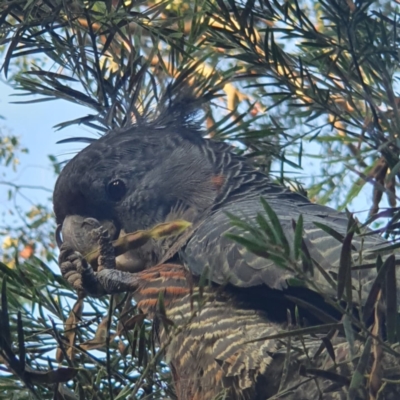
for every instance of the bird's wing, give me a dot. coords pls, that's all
(229, 262)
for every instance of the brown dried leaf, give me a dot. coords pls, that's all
(70, 326)
(391, 187)
(133, 321)
(59, 355)
(122, 348)
(100, 337)
(375, 377)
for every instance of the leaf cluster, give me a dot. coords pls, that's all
(277, 79)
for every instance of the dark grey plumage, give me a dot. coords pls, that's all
(168, 171)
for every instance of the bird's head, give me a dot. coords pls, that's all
(133, 179)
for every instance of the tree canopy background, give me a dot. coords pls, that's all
(277, 79)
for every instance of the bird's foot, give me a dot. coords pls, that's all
(106, 280)
(78, 272)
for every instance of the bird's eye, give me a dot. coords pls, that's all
(116, 190)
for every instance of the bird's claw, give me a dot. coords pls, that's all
(106, 258)
(79, 273)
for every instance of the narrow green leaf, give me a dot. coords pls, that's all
(332, 376)
(377, 286)
(313, 309)
(243, 225)
(357, 379)
(5, 318)
(142, 346)
(21, 342)
(266, 227)
(329, 348)
(330, 231)
(249, 244)
(276, 224)
(390, 293)
(298, 236)
(298, 332)
(349, 333)
(344, 273)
